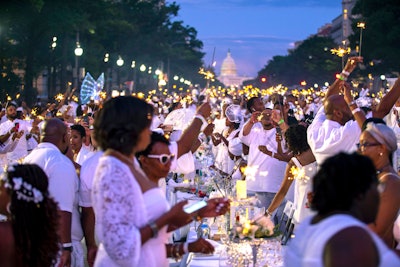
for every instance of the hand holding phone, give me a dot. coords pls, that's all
(85, 119)
(190, 208)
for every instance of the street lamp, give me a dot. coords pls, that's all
(120, 63)
(133, 86)
(78, 52)
(186, 42)
(383, 79)
(52, 70)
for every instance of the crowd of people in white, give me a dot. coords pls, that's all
(102, 164)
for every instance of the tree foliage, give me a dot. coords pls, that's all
(311, 61)
(144, 31)
(381, 36)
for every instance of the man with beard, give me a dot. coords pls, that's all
(14, 125)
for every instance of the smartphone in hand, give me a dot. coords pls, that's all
(190, 208)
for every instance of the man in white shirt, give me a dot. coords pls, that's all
(21, 149)
(264, 172)
(333, 129)
(63, 187)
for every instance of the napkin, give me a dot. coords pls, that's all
(218, 248)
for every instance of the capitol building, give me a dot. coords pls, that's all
(228, 75)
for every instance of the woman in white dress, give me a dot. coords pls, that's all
(132, 214)
(346, 199)
(300, 170)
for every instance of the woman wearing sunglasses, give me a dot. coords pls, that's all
(378, 142)
(155, 161)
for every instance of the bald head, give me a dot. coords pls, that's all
(336, 109)
(53, 131)
(333, 102)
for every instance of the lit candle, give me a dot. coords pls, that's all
(241, 189)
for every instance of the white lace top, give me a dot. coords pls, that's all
(120, 210)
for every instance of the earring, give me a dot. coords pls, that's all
(380, 154)
(8, 207)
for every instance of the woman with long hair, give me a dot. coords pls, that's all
(29, 235)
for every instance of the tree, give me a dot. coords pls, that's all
(135, 30)
(381, 36)
(311, 61)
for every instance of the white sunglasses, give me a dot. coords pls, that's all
(163, 158)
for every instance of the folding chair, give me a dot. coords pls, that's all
(287, 221)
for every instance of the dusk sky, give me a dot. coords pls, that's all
(254, 30)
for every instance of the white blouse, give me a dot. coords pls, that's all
(121, 211)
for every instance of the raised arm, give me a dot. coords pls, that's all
(351, 64)
(355, 110)
(280, 195)
(192, 132)
(249, 124)
(387, 101)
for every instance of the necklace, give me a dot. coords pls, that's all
(379, 171)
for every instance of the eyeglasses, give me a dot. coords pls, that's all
(362, 147)
(163, 158)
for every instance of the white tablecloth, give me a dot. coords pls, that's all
(193, 260)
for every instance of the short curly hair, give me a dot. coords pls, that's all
(340, 180)
(120, 122)
(296, 139)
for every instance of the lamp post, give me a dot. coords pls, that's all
(78, 52)
(186, 42)
(120, 63)
(51, 81)
(133, 66)
(383, 84)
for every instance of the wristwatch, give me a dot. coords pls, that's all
(67, 247)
